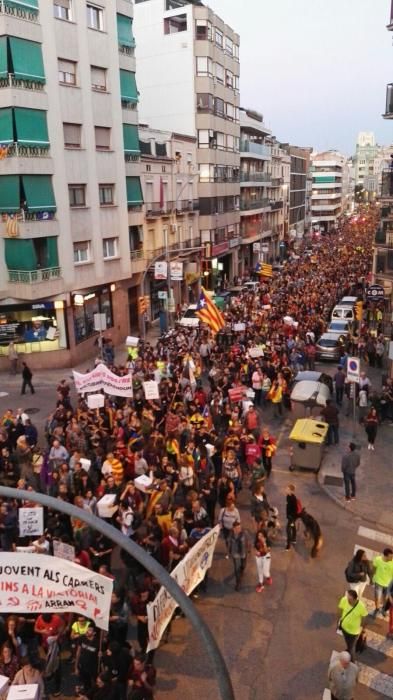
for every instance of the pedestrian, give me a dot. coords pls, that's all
(237, 548)
(294, 508)
(276, 397)
(389, 605)
(226, 519)
(13, 357)
(268, 446)
(382, 578)
(359, 572)
(350, 622)
(27, 376)
(330, 414)
(371, 427)
(263, 561)
(349, 463)
(339, 381)
(343, 676)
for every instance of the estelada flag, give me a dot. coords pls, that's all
(266, 270)
(208, 312)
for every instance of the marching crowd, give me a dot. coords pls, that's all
(200, 443)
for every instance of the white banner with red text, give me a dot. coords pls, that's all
(189, 572)
(39, 583)
(102, 378)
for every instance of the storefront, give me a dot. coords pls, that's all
(85, 306)
(33, 327)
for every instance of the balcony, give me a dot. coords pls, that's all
(384, 238)
(387, 183)
(16, 150)
(181, 206)
(35, 284)
(7, 8)
(389, 102)
(276, 204)
(34, 276)
(277, 181)
(251, 205)
(264, 178)
(10, 81)
(255, 149)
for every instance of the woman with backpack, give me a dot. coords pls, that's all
(359, 572)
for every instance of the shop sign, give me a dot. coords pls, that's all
(176, 271)
(256, 247)
(161, 270)
(234, 242)
(375, 292)
(220, 248)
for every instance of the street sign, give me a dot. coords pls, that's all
(353, 369)
(256, 247)
(163, 294)
(160, 270)
(375, 292)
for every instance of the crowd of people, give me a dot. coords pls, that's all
(197, 445)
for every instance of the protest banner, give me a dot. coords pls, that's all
(41, 583)
(102, 378)
(63, 550)
(256, 352)
(189, 572)
(31, 521)
(151, 390)
(238, 327)
(236, 394)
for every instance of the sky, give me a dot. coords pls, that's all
(316, 69)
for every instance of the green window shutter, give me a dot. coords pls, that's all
(20, 254)
(52, 255)
(9, 193)
(39, 192)
(6, 126)
(31, 127)
(134, 191)
(131, 139)
(128, 88)
(3, 58)
(124, 31)
(27, 60)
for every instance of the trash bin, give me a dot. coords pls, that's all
(307, 399)
(308, 437)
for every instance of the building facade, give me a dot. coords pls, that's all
(299, 189)
(169, 176)
(366, 152)
(194, 89)
(69, 175)
(329, 189)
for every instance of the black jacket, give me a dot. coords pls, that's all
(356, 572)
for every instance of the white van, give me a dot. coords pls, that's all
(348, 301)
(343, 313)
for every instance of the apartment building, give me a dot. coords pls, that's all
(366, 152)
(193, 88)
(278, 191)
(69, 175)
(299, 189)
(169, 177)
(330, 173)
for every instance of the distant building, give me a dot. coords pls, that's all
(299, 189)
(364, 163)
(330, 189)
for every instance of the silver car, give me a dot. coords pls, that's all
(329, 346)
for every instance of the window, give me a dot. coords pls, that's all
(219, 107)
(77, 195)
(203, 29)
(230, 142)
(148, 168)
(230, 111)
(72, 135)
(82, 252)
(95, 17)
(66, 71)
(218, 37)
(103, 138)
(175, 24)
(161, 150)
(229, 81)
(62, 9)
(205, 102)
(228, 46)
(220, 73)
(220, 140)
(205, 138)
(206, 172)
(106, 194)
(98, 78)
(163, 168)
(204, 65)
(174, 4)
(109, 248)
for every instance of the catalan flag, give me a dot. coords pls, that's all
(208, 312)
(266, 270)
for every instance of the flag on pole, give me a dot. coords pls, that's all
(208, 312)
(266, 270)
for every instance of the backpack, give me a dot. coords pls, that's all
(299, 506)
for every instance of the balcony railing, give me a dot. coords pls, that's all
(255, 177)
(140, 254)
(132, 157)
(259, 149)
(181, 206)
(127, 50)
(276, 204)
(16, 150)
(387, 183)
(7, 8)
(11, 81)
(34, 276)
(254, 204)
(389, 102)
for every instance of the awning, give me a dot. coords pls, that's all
(134, 191)
(3, 57)
(131, 138)
(38, 192)
(27, 63)
(31, 127)
(24, 4)
(128, 88)
(20, 254)
(124, 31)
(9, 193)
(6, 126)
(51, 250)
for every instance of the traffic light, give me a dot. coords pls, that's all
(142, 305)
(359, 310)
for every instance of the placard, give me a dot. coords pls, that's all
(236, 394)
(96, 401)
(31, 521)
(151, 390)
(63, 550)
(161, 270)
(256, 352)
(176, 271)
(132, 341)
(238, 327)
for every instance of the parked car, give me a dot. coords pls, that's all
(329, 347)
(314, 376)
(348, 301)
(251, 286)
(343, 312)
(341, 326)
(189, 318)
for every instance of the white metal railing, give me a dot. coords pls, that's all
(19, 12)
(34, 276)
(11, 81)
(17, 150)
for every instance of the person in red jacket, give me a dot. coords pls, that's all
(172, 549)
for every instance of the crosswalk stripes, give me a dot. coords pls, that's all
(377, 644)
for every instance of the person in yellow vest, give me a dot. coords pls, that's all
(112, 466)
(276, 396)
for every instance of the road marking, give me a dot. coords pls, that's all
(378, 642)
(376, 680)
(327, 694)
(375, 535)
(370, 553)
